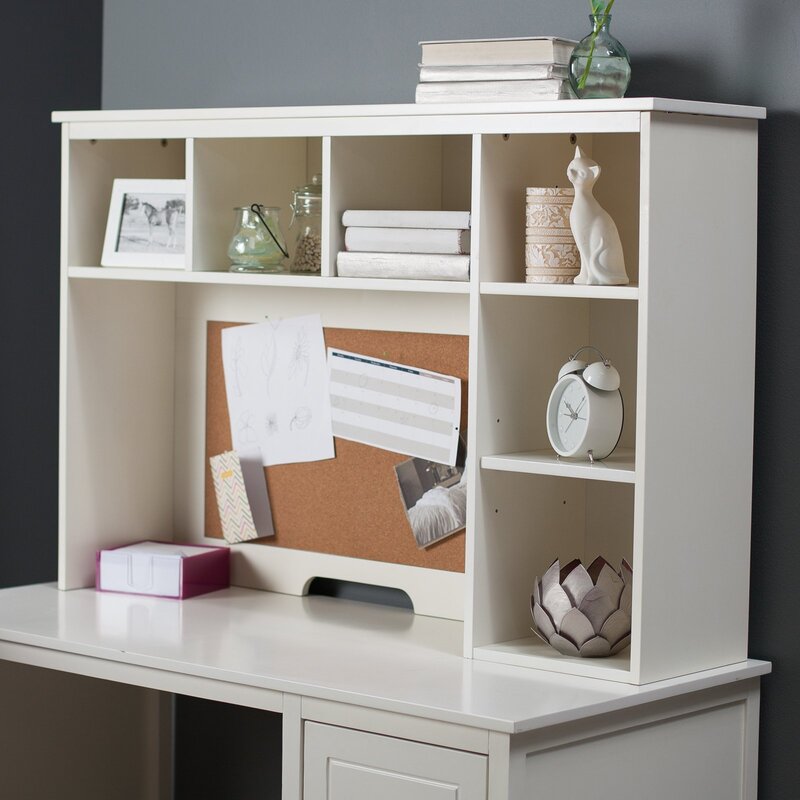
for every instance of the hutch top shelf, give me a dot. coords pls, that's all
(410, 109)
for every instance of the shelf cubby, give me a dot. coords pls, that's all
(510, 163)
(524, 343)
(93, 166)
(431, 173)
(523, 523)
(228, 173)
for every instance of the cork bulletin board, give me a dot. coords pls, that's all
(349, 505)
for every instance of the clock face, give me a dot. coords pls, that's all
(568, 415)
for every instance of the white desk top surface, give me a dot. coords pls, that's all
(382, 658)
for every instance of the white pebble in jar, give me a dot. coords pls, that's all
(308, 253)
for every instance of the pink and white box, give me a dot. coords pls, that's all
(163, 569)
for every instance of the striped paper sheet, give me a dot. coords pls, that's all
(394, 406)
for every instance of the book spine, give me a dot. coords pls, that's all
(412, 266)
(497, 72)
(492, 91)
(545, 50)
(562, 51)
(407, 240)
(406, 219)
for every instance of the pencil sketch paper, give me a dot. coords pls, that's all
(276, 382)
(394, 406)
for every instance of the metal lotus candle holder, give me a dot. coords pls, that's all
(584, 612)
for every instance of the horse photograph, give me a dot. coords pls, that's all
(152, 223)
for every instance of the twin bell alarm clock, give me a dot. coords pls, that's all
(585, 413)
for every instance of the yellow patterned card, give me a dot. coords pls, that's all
(244, 508)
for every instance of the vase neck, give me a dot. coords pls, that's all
(600, 22)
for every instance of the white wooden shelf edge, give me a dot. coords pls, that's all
(532, 652)
(411, 109)
(630, 292)
(289, 280)
(619, 467)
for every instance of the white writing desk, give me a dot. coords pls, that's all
(384, 695)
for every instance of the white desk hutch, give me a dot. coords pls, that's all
(459, 700)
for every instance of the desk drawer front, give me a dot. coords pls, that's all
(344, 764)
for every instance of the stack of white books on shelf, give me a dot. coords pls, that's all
(416, 245)
(495, 70)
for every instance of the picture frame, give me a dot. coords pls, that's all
(146, 224)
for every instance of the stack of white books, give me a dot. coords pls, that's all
(417, 245)
(495, 70)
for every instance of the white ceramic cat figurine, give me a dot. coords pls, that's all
(602, 260)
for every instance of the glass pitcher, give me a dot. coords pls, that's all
(307, 215)
(257, 244)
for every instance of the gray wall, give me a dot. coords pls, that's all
(252, 52)
(199, 53)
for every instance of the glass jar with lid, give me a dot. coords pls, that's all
(307, 217)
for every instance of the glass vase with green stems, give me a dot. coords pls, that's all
(599, 65)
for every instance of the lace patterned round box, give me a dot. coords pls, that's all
(551, 255)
